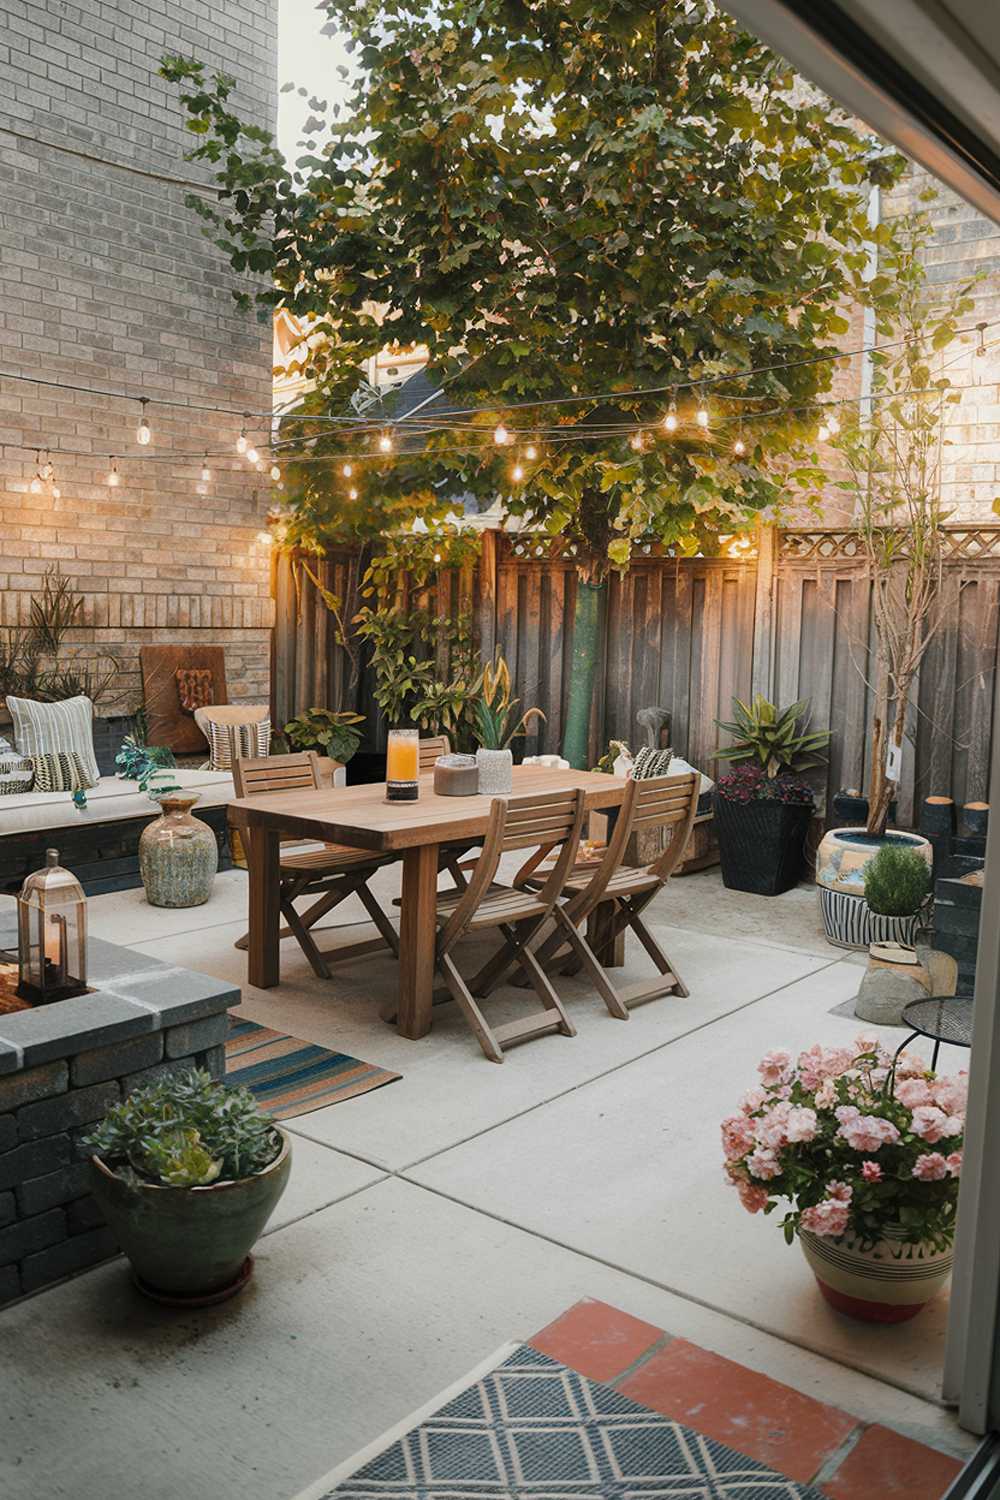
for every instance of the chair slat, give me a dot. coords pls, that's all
(430, 749)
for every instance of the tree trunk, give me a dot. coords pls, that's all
(886, 741)
(588, 615)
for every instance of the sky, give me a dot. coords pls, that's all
(307, 59)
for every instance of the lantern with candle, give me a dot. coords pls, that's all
(51, 935)
(401, 766)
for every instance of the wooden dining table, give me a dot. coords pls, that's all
(362, 817)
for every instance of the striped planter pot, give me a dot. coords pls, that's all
(889, 1282)
(849, 922)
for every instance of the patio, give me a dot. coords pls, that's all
(431, 1220)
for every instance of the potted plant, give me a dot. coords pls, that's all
(328, 731)
(494, 730)
(763, 809)
(867, 1153)
(897, 882)
(187, 1172)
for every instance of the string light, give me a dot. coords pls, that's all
(823, 433)
(437, 557)
(517, 473)
(252, 456)
(114, 479)
(500, 435)
(531, 453)
(635, 442)
(259, 465)
(670, 420)
(701, 416)
(47, 470)
(206, 473)
(241, 441)
(739, 447)
(347, 470)
(275, 472)
(143, 434)
(352, 493)
(385, 442)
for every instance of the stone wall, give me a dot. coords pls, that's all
(62, 1067)
(106, 281)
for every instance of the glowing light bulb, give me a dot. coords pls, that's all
(635, 442)
(252, 456)
(500, 435)
(264, 538)
(517, 473)
(701, 416)
(275, 472)
(437, 557)
(143, 434)
(114, 479)
(347, 470)
(36, 484)
(531, 452)
(259, 465)
(670, 420)
(823, 433)
(385, 443)
(739, 447)
(352, 493)
(56, 492)
(206, 473)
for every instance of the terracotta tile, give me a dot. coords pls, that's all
(893, 1467)
(752, 1413)
(596, 1340)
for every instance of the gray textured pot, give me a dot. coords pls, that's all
(190, 1242)
(496, 772)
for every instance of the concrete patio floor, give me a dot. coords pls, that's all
(431, 1220)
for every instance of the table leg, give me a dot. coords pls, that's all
(417, 937)
(262, 847)
(608, 946)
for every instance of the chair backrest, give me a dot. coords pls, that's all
(276, 773)
(549, 819)
(428, 751)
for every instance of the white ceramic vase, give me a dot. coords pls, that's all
(496, 772)
(887, 1282)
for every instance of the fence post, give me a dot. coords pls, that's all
(763, 610)
(488, 596)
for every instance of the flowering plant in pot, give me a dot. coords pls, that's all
(763, 808)
(187, 1172)
(867, 1154)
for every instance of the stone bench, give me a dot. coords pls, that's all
(61, 1067)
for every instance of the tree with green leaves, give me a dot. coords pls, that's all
(589, 213)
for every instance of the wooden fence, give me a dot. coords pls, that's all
(791, 619)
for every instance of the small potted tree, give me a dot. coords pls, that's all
(896, 886)
(763, 808)
(187, 1172)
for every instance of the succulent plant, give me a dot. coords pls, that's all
(773, 737)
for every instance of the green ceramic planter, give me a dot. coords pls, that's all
(190, 1242)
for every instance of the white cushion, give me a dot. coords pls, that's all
(112, 800)
(48, 728)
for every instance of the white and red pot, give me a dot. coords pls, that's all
(888, 1282)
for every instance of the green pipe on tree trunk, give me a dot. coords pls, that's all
(588, 614)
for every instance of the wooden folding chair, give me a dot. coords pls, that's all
(617, 892)
(428, 752)
(331, 871)
(549, 819)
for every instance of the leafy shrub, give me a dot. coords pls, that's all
(749, 784)
(897, 881)
(186, 1130)
(326, 730)
(772, 737)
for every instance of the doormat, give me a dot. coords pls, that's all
(289, 1077)
(525, 1425)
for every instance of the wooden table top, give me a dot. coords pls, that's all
(361, 816)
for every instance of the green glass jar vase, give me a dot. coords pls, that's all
(178, 855)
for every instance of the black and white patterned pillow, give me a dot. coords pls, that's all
(65, 728)
(649, 763)
(16, 775)
(60, 771)
(237, 741)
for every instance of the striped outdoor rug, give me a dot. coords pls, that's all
(290, 1077)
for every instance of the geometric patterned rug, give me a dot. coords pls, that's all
(530, 1427)
(289, 1077)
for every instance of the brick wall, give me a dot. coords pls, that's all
(106, 281)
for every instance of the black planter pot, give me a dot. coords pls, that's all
(761, 844)
(851, 808)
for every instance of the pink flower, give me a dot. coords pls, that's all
(828, 1218)
(775, 1068)
(801, 1124)
(737, 1137)
(871, 1171)
(753, 1100)
(764, 1164)
(771, 1130)
(867, 1132)
(826, 1094)
(839, 1192)
(954, 1163)
(930, 1168)
(950, 1094)
(864, 1044)
(908, 1065)
(753, 1198)
(847, 1112)
(932, 1124)
(913, 1092)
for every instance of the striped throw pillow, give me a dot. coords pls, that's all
(237, 741)
(16, 775)
(60, 771)
(649, 763)
(56, 728)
